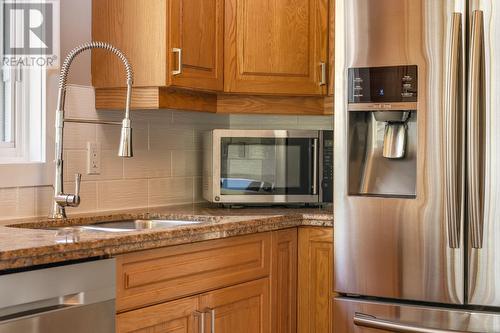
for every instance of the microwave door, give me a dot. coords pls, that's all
(268, 169)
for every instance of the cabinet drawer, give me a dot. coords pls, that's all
(154, 276)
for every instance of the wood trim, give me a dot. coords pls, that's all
(284, 281)
(315, 280)
(187, 100)
(153, 98)
(114, 98)
(285, 105)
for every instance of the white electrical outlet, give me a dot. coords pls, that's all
(93, 158)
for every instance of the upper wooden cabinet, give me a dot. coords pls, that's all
(276, 46)
(174, 43)
(196, 32)
(226, 56)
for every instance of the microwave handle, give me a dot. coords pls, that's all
(315, 167)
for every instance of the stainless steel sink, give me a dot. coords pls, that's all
(133, 225)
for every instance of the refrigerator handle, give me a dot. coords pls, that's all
(454, 135)
(363, 320)
(475, 131)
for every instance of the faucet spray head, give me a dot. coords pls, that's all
(125, 149)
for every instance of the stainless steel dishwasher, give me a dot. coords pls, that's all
(76, 298)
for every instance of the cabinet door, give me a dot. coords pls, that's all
(138, 28)
(284, 281)
(315, 280)
(196, 31)
(275, 46)
(172, 317)
(331, 48)
(243, 308)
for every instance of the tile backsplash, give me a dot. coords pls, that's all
(166, 168)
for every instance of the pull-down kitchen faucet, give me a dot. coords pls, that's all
(62, 200)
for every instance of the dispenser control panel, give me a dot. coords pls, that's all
(383, 84)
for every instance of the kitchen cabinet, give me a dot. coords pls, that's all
(174, 43)
(170, 44)
(195, 30)
(158, 275)
(277, 281)
(172, 317)
(233, 56)
(315, 280)
(242, 308)
(331, 49)
(284, 281)
(276, 47)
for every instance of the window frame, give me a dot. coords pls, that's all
(24, 161)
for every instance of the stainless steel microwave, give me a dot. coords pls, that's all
(268, 166)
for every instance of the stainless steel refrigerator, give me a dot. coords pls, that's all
(417, 166)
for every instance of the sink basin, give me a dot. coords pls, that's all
(135, 225)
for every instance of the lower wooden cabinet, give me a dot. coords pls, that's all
(172, 317)
(274, 282)
(242, 308)
(284, 281)
(315, 280)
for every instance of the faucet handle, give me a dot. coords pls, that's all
(73, 200)
(70, 200)
(78, 180)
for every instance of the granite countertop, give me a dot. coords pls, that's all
(23, 247)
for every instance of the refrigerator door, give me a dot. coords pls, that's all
(404, 247)
(356, 316)
(483, 175)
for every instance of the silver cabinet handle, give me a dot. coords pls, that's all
(212, 320)
(201, 321)
(454, 133)
(322, 81)
(373, 322)
(315, 167)
(179, 61)
(475, 131)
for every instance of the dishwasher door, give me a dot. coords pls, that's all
(76, 298)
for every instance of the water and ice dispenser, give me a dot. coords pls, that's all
(383, 131)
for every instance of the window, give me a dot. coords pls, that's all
(23, 102)
(22, 105)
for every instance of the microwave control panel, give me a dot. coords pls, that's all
(383, 84)
(327, 178)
